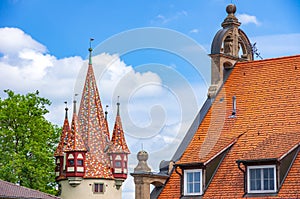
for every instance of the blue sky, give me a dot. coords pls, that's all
(43, 45)
(65, 26)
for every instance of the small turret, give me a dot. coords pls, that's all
(119, 151)
(59, 152)
(75, 153)
(230, 45)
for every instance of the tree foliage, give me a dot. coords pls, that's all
(27, 142)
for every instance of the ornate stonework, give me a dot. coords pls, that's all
(229, 46)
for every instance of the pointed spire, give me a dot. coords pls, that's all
(93, 128)
(118, 138)
(63, 138)
(75, 142)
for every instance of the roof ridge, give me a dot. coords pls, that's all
(268, 59)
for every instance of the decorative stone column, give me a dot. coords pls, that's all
(143, 177)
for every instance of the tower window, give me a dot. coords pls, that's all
(193, 182)
(118, 164)
(98, 188)
(79, 162)
(71, 162)
(261, 179)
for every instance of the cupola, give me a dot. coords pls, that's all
(229, 46)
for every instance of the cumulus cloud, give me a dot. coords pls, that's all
(13, 40)
(156, 107)
(247, 19)
(25, 66)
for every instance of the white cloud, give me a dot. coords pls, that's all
(163, 19)
(25, 66)
(247, 19)
(155, 111)
(14, 40)
(195, 30)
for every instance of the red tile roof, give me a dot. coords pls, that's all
(10, 190)
(63, 138)
(118, 139)
(266, 126)
(74, 139)
(94, 130)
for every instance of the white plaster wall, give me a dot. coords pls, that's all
(85, 190)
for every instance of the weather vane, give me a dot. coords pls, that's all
(255, 51)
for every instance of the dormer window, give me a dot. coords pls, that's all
(193, 182)
(261, 179)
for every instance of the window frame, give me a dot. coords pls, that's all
(118, 164)
(261, 167)
(79, 162)
(185, 189)
(98, 184)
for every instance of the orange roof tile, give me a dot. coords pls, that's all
(118, 140)
(63, 138)
(74, 140)
(94, 130)
(267, 125)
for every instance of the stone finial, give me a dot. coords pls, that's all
(231, 9)
(142, 166)
(230, 20)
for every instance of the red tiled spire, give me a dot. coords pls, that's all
(93, 128)
(74, 142)
(63, 138)
(118, 139)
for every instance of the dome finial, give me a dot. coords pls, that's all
(90, 50)
(231, 9)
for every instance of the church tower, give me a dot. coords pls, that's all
(230, 45)
(87, 160)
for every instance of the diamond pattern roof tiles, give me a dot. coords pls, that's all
(94, 130)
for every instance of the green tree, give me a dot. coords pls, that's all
(27, 142)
